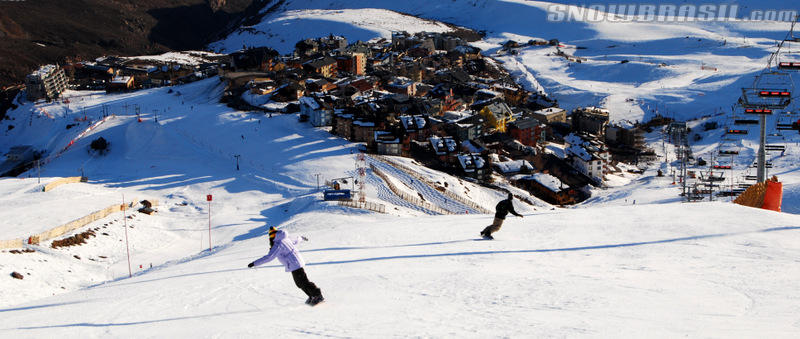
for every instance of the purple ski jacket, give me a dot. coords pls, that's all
(284, 249)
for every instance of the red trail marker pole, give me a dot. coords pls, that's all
(209, 198)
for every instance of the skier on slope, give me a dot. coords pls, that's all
(502, 209)
(283, 248)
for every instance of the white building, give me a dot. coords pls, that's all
(589, 157)
(316, 114)
(45, 83)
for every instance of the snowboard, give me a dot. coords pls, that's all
(315, 303)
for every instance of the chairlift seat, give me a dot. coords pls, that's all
(745, 122)
(792, 66)
(736, 131)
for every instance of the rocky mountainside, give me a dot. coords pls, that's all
(47, 31)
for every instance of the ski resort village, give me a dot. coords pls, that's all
(459, 169)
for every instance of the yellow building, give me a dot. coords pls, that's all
(497, 115)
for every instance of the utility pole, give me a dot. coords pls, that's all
(39, 172)
(317, 175)
(237, 160)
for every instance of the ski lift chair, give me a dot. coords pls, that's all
(741, 116)
(728, 148)
(787, 121)
(789, 61)
(770, 91)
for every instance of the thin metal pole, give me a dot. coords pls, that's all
(209, 226)
(127, 247)
(711, 178)
(731, 177)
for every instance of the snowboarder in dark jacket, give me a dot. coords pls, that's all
(502, 209)
(283, 248)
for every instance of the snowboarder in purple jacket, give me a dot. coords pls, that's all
(283, 248)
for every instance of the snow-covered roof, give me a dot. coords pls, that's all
(513, 166)
(310, 102)
(382, 137)
(471, 162)
(550, 111)
(471, 147)
(579, 152)
(466, 49)
(44, 71)
(499, 109)
(363, 123)
(443, 145)
(580, 148)
(593, 109)
(504, 87)
(453, 116)
(412, 123)
(121, 80)
(547, 180)
(488, 92)
(573, 139)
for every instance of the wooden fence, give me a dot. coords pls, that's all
(71, 226)
(62, 181)
(15, 243)
(380, 208)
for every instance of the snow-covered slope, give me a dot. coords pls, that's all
(675, 68)
(612, 269)
(188, 153)
(659, 270)
(282, 32)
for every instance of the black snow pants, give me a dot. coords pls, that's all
(301, 280)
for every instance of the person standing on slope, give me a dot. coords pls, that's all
(283, 248)
(502, 209)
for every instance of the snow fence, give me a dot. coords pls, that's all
(63, 181)
(15, 243)
(447, 193)
(407, 197)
